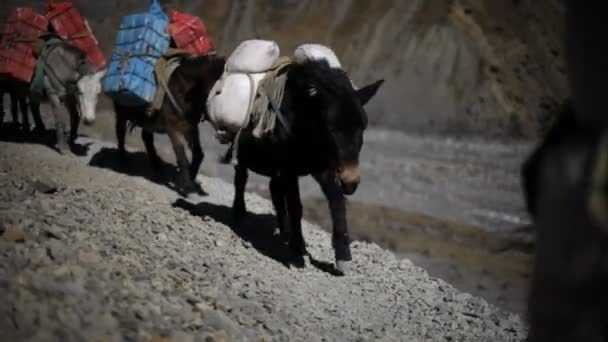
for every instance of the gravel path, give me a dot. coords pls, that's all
(91, 254)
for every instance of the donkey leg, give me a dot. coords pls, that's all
(337, 207)
(197, 151)
(120, 126)
(185, 184)
(14, 107)
(35, 109)
(239, 208)
(74, 123)
(2, 107)
(277, 193)
(24, 113)
(148, 139)
(60, 124)
(297, 246)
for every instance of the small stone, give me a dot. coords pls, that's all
(52, 233)
(202, 307)
(13, 234)
(218, 337)
(88, 258)
(46, 187)
(61, 271)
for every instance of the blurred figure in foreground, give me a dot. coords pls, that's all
(566, 188)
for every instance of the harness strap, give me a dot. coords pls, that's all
(169, 94)
(124, 59)
(277, 108)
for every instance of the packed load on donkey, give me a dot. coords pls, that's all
(29, 44)
(65, 25)
(249, 94)
(142, 39)
(189, 33)
(23, 27)
(231, 98)
(142, 58)
(65, 20)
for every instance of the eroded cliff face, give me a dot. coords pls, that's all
(464, 67)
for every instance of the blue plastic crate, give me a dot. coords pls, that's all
(142, 39)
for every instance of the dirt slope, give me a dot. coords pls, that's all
(110, 257)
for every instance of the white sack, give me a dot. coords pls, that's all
(229, 100)
(253, 56)
(316, 52)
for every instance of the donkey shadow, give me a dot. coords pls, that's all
(136, 164)
(12, 132)
(256, 229)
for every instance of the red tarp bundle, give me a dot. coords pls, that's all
(23, 26)
(73, 28)
(189, 33)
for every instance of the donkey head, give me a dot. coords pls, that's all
(89, 87)
(343, 120)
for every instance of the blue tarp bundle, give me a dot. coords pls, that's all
(142, 40)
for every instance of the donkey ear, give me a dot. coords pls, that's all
(367, 92)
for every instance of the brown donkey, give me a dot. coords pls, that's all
(189, 85)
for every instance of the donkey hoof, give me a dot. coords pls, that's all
(299, 261)
(239, 211)
(343, 267)
(63, 149)
(238, 214)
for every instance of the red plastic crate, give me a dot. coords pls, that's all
(189, 33)
(74, 29)
(23, 26)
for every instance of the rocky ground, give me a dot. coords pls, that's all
(89, 253)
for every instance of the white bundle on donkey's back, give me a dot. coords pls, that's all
(253, 56)
(230, 98)
(316, 52)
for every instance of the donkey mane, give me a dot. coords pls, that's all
(72, 49)
(318, 74)
(199, 66)
(333, 85)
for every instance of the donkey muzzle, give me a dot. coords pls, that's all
(348, 175)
